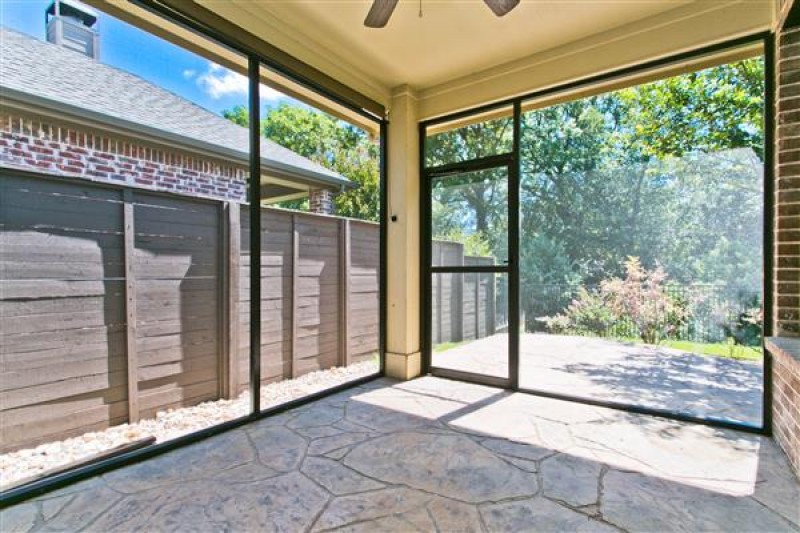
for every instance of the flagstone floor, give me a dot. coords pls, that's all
(439, 455)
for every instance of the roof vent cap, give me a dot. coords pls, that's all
(71, 24)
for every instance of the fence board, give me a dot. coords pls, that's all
(172, 397)
(177, 269)
(294, 290)
(33, 425)
(36, 416)
(132, 360)
(65, 387)
(60, 302)
(40, 344)
(276, 258)
(232, 318)
(16, 378)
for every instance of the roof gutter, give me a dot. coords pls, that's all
(33, 103)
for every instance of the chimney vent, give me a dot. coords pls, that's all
(72, 25)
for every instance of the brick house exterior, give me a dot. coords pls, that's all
(70, 115)
(53, 146)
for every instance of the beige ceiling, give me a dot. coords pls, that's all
(453, 38)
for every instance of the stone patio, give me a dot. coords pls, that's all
(439, 455)
(604, 369)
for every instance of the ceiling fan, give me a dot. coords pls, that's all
(382, 10)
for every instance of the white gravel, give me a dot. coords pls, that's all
(172, 423)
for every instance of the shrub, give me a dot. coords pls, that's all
(638, 304)
(641, 297)
(587, 314)
(742, 322)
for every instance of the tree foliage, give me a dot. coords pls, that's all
(668, 171)
(333, 144)
(714, 109)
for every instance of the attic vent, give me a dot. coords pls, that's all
(71, 24)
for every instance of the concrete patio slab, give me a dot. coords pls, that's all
(623, 372)
(462, 457)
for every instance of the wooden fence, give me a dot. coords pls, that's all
(319, 297)
(464, 306)
(117, 303)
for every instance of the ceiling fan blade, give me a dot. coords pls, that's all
(501, 7)
(379, 13)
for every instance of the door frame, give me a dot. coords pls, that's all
(509, 161)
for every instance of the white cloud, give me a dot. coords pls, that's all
(218, 82)
(189, 74)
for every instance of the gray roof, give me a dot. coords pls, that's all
(44, 72)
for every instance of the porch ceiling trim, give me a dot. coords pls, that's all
(210, 23)
(228, 58)
(586, 87)
(677, 31)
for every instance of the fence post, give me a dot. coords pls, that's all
(294, 291)
(478, 312)
(131, 359)
(491, 304)
(231, 253)
(439, 302)
(344, 292)
(457, 311)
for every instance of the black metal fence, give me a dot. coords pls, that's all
(712, 313)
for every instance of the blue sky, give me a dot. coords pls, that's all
(159, 62)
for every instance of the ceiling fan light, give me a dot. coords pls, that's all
(501, 7)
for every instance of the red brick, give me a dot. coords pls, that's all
(40, 150)
(70, 169)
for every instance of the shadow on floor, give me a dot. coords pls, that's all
(627, 373)
(439, 455)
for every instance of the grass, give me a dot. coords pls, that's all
(719, 349)
(713, 349)
(444, 346)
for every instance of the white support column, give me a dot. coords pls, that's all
(403, 358)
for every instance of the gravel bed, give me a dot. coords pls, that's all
(21, 464)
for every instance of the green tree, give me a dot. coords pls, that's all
(713, 109)
(476, 202)
(333, 144)
(660, 171)
(668, 171)
(238, 115)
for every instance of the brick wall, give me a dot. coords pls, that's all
(39, 144)
(786, 402)
(784, 350)
(787, 190)
(321, 201)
